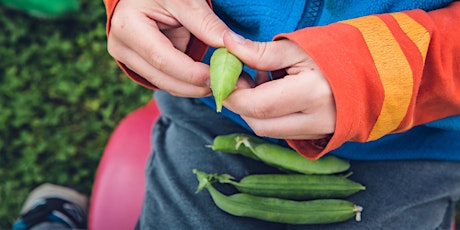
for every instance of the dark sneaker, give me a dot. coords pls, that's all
(54, 204)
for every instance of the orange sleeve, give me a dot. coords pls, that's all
(109, 8)
(196, 49)
(387, 72)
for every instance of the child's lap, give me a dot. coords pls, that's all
(398, 195)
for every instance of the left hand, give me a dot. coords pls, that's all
(299, 105)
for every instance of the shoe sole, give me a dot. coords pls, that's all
(55, 191)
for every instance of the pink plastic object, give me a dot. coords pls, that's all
(118, 189)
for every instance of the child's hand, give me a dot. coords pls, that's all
(300, 105)
(150, 37)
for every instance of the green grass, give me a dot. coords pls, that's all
(61, 96)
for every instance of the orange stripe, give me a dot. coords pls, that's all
(394, 71)
(416, 32)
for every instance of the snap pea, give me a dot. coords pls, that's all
(290, 160)
(225, 68)
(281, 210)
(294, 186)
(233, 143)
(277, 156)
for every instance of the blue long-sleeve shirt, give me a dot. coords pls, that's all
(262, 20)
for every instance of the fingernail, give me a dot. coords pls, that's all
(236, 37)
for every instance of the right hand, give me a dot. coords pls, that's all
(298, 105)
(151, 36)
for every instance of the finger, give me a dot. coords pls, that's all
(158, 51)
(269, 100)
(293, 126)
(159, 79)
(203, 22)
(167, 59)
(269, 56)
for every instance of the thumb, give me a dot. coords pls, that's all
(266, 56)
(203, 23)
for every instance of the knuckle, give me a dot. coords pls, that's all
(157, 61)
(261, 111)
(195, 93)
(261, 131)
(197, 78)
(112, 47)
(262, 50)
(203, 92)
(208, 22)
(155, 81)
(116, 22)
(175, 93)
(261, 53)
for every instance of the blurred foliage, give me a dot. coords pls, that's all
(61, 95)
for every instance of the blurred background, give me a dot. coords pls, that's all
(61, 96)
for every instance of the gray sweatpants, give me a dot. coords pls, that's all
(399, 195)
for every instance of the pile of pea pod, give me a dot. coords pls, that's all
(310, 192)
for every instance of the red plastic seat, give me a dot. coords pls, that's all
(118, 189)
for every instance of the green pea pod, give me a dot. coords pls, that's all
(233, 143)
(277, 156)
(319, 211)
(225, 68)
(294, 186)
(290, 160)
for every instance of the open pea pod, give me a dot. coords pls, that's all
(225, 68)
